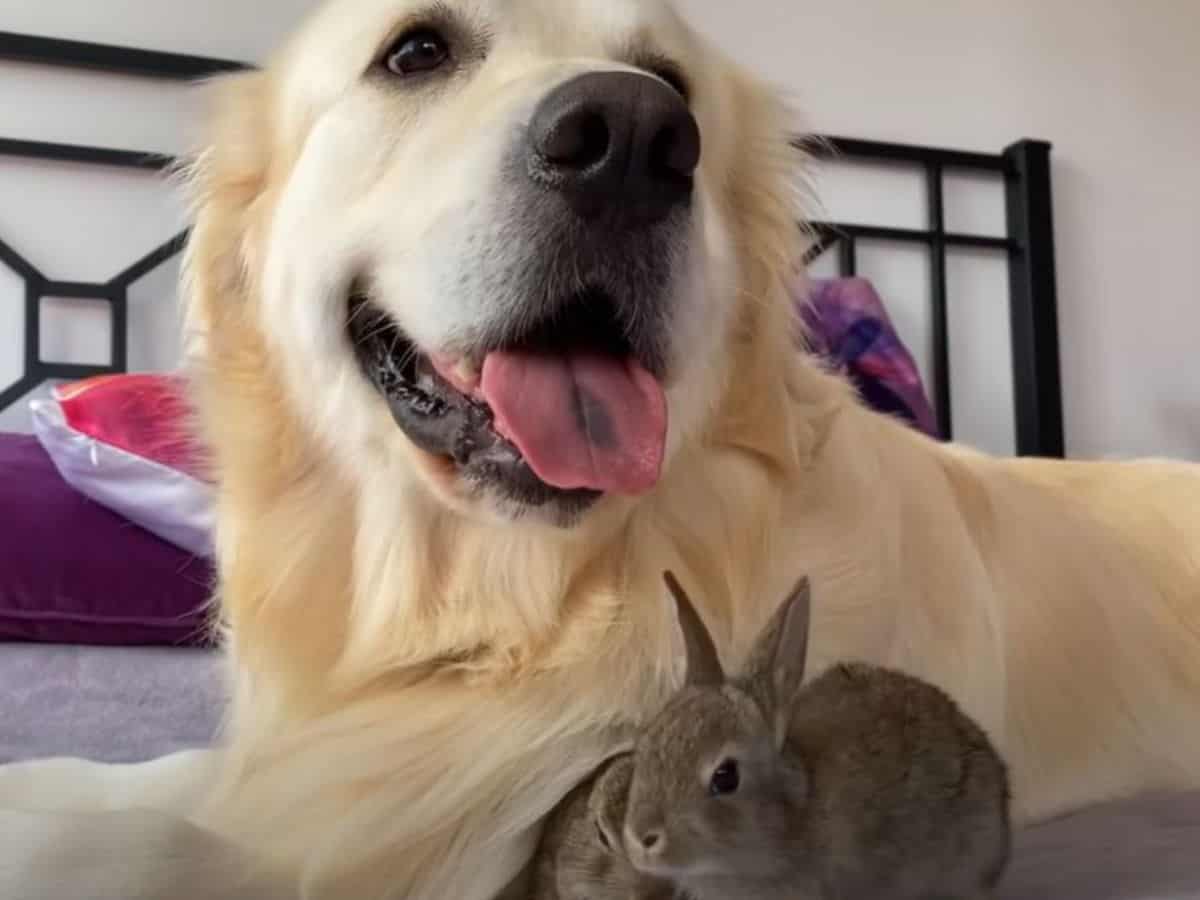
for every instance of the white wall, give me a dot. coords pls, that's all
(81, 223)
(1113, 85)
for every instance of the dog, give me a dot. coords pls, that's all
(488, 327)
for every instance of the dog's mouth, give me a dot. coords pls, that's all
(567, 411)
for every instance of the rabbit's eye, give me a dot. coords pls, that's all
(725, 778)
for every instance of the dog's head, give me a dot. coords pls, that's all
(505, 241)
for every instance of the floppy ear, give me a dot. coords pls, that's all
(775, 667)
(703, 664)
(225, 180)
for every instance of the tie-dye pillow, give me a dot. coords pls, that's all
(848, 325)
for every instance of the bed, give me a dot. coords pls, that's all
(139, 697)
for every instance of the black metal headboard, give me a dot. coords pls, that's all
(1029, 243)
(58, 53)
(1029, 246)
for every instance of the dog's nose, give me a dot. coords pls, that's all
(619, 141)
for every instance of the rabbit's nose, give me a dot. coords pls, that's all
(645, 840)
(651, 841)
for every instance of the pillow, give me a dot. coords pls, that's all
(123, 441)
(72, 571)
(847, 325)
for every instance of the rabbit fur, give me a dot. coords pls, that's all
(865, 783)
(581, 855)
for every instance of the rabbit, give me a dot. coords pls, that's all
(581, 855)
(865, 783)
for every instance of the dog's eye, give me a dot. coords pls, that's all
(417, 51)
(725, 778)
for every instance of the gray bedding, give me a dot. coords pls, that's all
(131, 704)
(110, 704)
(1147, 848)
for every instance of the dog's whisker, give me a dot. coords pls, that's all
(392, 346)
(408, 357)
(358, 310)
(382, 328)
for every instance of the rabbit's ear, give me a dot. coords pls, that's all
(703, 664)
(607, 804)
(775, 666)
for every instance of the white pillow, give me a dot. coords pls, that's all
(124, 441)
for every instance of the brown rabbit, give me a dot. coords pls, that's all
(867, 783)
(581, 855)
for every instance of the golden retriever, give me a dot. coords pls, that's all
(488, 326)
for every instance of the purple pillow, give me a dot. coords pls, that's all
(848, 325)
(74, 572)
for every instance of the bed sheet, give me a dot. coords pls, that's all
(127, 704)
(1142, 848)
(109, 704)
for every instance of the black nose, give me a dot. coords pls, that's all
(615, 141)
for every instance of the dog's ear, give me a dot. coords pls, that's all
(703, 664)
(767, 196)
(774, 668)
(241, 411)
(224, 179)
(231, 161)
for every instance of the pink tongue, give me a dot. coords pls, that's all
(580, 421)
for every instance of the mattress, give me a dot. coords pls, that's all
(109, 704)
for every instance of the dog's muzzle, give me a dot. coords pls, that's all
(561, 399)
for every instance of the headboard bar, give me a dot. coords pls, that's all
(77, 153)
(859, 149)
(939, 326)
(1033, 300)
(150, 261)
(20, 265)
(30, 48)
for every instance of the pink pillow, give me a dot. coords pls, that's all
(124, 442)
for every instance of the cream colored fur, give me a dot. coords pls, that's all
(417, 682)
